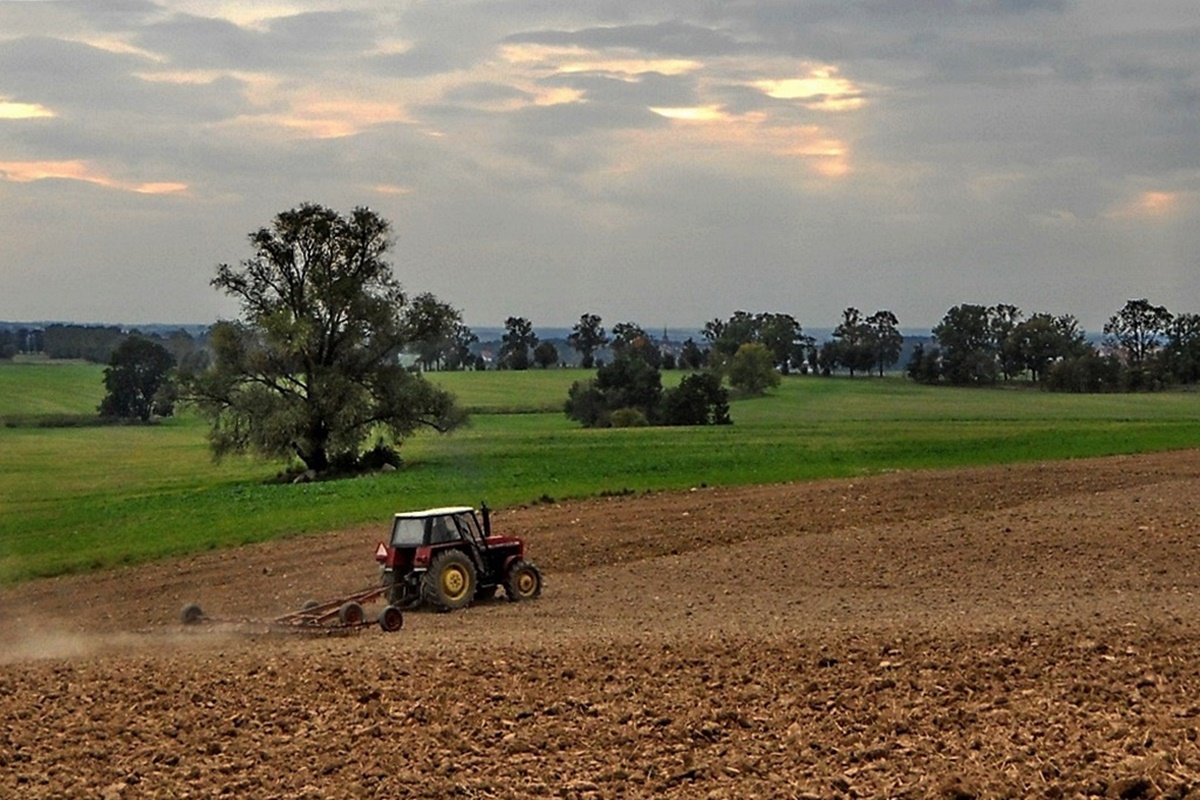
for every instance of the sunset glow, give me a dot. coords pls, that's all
(570, 60)
(11, 110)
(30, 171)
(695, 114)
(1153, 204)
(822, 90)
(391, 189)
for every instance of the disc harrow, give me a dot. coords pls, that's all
(337, 616)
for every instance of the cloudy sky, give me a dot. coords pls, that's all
(661, 162)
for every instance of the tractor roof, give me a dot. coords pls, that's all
(434, 512)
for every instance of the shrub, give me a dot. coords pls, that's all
(628, 418)
(628, 382)
(752, 369)
(698, 400)
(1088, 373)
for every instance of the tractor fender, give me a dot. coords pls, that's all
(508, 562)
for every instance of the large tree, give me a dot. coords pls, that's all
(1137, 329)
(586, 337)
(1003, 318)
(311, 369)
(968, 349)
(135, 380)
(459, 356)
(1036, 343)
(886, 339)
(630, 339)
(779, 333)
(855, 346)
(430, 327)
(1183, 348)
(515, 344)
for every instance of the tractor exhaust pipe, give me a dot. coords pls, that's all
(487, 520)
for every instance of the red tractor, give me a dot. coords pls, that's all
(444, 558)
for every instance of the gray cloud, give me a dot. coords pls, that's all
(671, 38)
(1005, 152)
(77, 80)
(288, 42)
(650, 89)
(572, 119)
(484, 92)
(417, 62)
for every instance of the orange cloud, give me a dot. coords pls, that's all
(30, 171)
(1151, 204)
(715, 130)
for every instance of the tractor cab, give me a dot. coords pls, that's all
(435, 526)
(446, 558)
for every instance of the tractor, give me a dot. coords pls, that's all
(444, 558)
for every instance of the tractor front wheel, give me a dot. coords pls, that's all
(450, 582)
(523, 581)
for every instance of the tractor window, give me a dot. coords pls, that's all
(469, 527)
(442, 530)
(408, 533)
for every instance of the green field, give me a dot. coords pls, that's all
(73, 499)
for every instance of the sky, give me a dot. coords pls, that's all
(658, 162)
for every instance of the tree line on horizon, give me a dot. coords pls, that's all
(312, 369)
(1144, 347)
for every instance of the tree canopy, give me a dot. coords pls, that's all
(435, 333)
(586, 337)
(1137, 329)
(968, 347)
(751, 369)
(311, 368)
(516, 343)
(136, 380)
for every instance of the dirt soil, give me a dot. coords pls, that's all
(1027, 631)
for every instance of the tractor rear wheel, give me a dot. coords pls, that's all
(391, 619)
(450, 582)
(523, 581)
(351, 613)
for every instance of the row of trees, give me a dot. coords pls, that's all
(859, 344)
(1145, 347)
(14, 341)
(311, 367)
(747, 350)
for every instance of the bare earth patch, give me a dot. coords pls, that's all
(1027, 631)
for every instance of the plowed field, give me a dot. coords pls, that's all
(1029, 631)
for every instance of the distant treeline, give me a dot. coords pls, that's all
(95, 343)
(1144, 346)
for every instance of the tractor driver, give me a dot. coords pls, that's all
(440, 533)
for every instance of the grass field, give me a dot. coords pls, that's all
(49, 388)
(73, 499)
